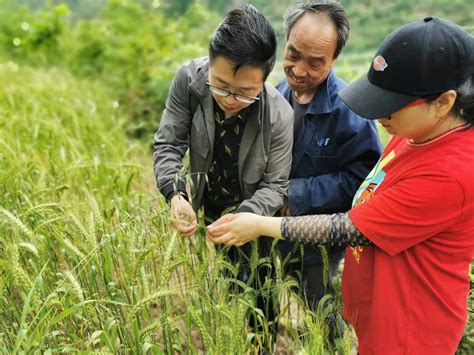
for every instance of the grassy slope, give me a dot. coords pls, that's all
(87, 260)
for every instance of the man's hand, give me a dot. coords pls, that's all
(285, 210)
(183, 216)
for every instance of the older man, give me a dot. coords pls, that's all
(334, 149)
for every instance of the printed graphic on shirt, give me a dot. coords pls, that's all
(367, 190)
(372, 181)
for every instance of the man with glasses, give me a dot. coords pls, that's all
(239, 129)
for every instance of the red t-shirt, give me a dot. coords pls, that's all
(408, 293)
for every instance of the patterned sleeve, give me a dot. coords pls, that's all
(330, 229)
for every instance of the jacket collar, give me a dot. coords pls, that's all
(199, 80)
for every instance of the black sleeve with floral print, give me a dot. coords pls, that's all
(330, 229)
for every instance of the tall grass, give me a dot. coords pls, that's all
(88, 261)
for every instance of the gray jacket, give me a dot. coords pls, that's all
(264, 161)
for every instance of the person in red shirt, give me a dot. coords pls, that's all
(410, 232)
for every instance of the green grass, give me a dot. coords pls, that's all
(88, 261)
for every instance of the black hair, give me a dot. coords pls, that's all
(464, 104)
(331, 9)
(245, 37)
(464, 107)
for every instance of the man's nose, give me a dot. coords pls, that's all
(300, 69)
(229, 100)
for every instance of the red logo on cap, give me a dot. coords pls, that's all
(379, 63)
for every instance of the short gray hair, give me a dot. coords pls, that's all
(331, 9)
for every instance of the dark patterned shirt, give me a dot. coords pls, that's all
(223, 189)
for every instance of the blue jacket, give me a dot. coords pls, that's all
(334, 152)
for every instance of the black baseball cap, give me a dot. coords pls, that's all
(419, 59)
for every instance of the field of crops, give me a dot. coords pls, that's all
(88, 260)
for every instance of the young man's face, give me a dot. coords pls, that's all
(309, 52)
(247, 81)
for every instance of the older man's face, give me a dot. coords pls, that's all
(309, 52)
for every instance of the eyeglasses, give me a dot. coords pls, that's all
(246, 99)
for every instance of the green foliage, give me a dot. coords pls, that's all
(372, 20)
(32, 36)
(88, 262)
(135, 47)
(132, 49)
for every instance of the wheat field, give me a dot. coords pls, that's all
(88, 261)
